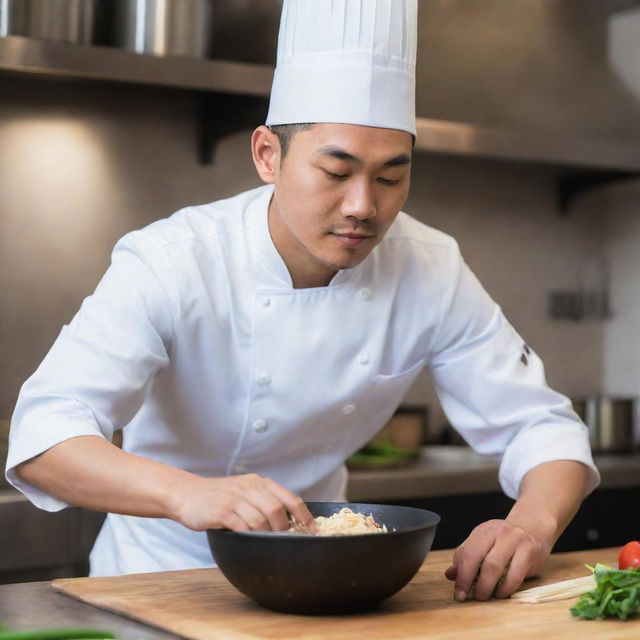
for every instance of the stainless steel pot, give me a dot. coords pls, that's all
(611, 422)
(59, 20)
(164, 27)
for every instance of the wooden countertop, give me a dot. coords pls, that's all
(200, 604)
(449, 470)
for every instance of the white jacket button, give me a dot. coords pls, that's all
(366, 293)
(266, 302)
(259, 425)
(264, 379)
(348, 409)
(364, 359)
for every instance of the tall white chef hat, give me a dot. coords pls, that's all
(348, 61)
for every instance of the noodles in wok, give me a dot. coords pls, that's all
(345, 522)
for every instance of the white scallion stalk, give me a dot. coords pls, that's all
(556, 591)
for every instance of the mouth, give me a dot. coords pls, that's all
(352, 239)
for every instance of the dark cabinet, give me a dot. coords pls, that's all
(607, 518)
(39, 545)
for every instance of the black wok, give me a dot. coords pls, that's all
(296, 573)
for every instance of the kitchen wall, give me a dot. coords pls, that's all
(81, 164)
(622, 333)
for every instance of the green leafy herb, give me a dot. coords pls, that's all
(617, 594)
(382, 453)
(55, 634)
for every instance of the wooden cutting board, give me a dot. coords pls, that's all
(200, 604)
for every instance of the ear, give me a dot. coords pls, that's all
(265, 150)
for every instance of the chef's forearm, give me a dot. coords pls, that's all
(90, 472)
(550, 495)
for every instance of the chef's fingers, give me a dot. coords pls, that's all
(273, 511)
(493, 567)
(451, 572)
(294, 505)
(469, 558)
(518, 569)
(252, 516)
(231, 520)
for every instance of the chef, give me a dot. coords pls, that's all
(245, 348)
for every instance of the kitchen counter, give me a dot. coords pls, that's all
(448, 470)
(34, 605)
(201, 604)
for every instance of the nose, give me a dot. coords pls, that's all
(359, 201)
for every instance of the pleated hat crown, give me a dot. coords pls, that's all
(347, 61)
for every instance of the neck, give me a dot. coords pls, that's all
(310, 280)
(305, 270)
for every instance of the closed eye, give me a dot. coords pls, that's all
(387, 182)
(336, 176)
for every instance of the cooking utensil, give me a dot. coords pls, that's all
(615, 425)
(611, 422)
(327, 575)
(164, 27)
(298, 527)
(58, 20)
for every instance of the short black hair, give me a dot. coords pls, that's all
(285, 133)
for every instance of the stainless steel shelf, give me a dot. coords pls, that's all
(27, 55)
(438, 136)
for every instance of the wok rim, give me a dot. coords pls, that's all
(286, 535)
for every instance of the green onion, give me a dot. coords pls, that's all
(55, 634)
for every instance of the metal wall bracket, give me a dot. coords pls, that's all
(220, 114)
(574, 183)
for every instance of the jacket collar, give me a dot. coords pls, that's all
(273, 270)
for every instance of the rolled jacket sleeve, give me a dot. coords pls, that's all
(492, 387)
(92, 381)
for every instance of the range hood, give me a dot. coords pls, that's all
(526, 80)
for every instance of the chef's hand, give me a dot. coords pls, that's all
(500, 555)
(519, 546)
(241, 503)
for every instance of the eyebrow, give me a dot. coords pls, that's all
(341, 154)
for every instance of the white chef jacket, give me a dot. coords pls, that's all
(196, 343)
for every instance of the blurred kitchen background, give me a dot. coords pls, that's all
(114, 113)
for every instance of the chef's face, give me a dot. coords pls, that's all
(336, 193)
